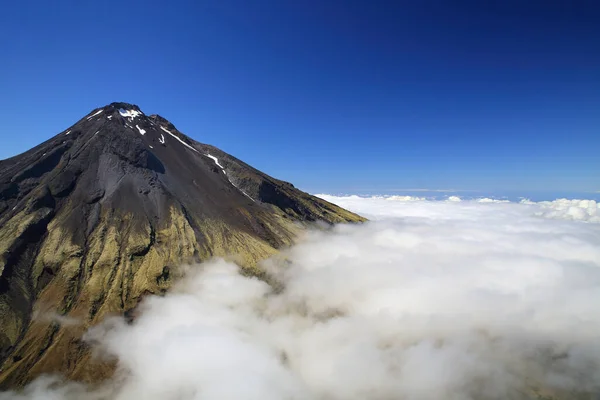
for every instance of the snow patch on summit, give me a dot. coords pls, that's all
(236, 186)
(142, 131)
(216, 160)
(130, 113)
(177, 137)
(94, 114)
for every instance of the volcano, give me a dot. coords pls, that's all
(103, 213)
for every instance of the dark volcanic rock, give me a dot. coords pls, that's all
(99, 215)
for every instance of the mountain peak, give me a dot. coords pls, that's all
(129, 113)
(122, 105)
(128, 120)
(94, 218)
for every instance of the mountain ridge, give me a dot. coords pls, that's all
(101, 214)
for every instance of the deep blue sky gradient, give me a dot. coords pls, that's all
(331, 95)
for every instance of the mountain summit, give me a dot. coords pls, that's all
(99, 215)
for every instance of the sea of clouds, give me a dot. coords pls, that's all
(454, 299)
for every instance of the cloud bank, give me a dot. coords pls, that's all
(381, 207)
(430, 300)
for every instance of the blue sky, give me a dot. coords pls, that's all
(330, 95)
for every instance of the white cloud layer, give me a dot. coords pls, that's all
(582, 210)
(379, 207)
(450, 300)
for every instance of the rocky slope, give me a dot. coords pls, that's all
(101, 214)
